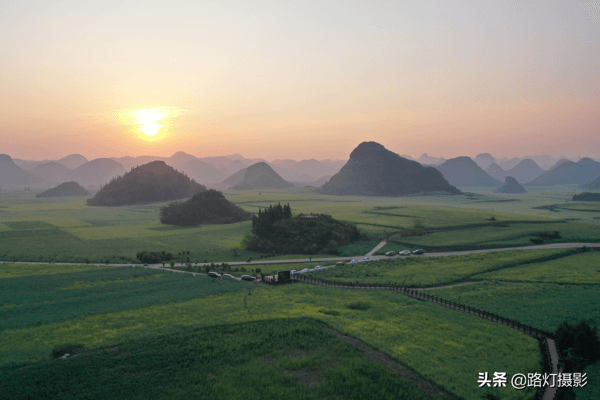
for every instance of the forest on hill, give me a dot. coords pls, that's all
(209, 207)
(149, 183)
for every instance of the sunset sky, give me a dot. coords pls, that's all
(299, 80)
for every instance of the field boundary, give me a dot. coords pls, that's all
(546, 337)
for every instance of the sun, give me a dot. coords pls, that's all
(148, 119)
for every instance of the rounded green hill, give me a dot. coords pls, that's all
(148, 183)
(205, 208)
(64, 189)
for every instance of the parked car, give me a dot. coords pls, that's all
(320, 267)
(354, 261)
(214, 275)
(294, 272)
(248, 278)
(390, 253)
(367, 259)
(419, 251)
(145, 264)
(340, 263)
(228, 276)
(405, 253)
(305, 270)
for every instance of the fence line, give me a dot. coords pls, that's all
(539, 334)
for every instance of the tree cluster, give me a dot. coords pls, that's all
(154, 257)
(275, 231)
(586, 196)
(578, 344)
(262, 224)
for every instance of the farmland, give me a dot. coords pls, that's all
(122, 315)
(433, 271)
(406, 329)
(296, 357)
(66, 230)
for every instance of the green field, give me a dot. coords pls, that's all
(433, 271)
(67, 230)
(140, 311)
(77, 292)
(406, 329)
(270, 359)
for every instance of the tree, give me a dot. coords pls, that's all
(172, 263)
(163, 263)
(207, 268)
(258, 270)
(235, 251)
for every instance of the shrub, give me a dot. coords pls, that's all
(359, 305)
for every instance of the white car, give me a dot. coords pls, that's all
(305, 270)
(405, 253)
(228, 276)
(320, 267)
(340, 263)
(390, 253)
(294, 272)
(367, 259)
(354, 261)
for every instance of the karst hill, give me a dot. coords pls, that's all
(511, 186)
(464, 172)
(63, 190)
(148, 183)
(12, 174)
(208, 207)
(261, 176)
(372, 170)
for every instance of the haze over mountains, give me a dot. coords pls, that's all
(221, 172)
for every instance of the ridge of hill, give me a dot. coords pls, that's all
(496, 172)
(50, 171)
(64, 189)
(581, 172)
(202, 172)
(207, 207)
(148, 183)
(235, 178)
(12, 174)
(464, 172)
(72, 161)
(178, 159)
(96, 172)
(372, 170)
(511, 186)
(592, 185)
(484, 160)
(525, 171)
(261, 176)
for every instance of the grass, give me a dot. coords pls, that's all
(581, 268)
(77, 293)
(66, 230)
(432, 271)
(270, 359)
(506, 235)
(542, 305)
(448, 348)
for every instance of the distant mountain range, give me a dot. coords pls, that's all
(216, 171)
(581, 172)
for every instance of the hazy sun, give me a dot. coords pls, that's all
(148, 120)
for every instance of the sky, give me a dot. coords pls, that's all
(299, 79)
